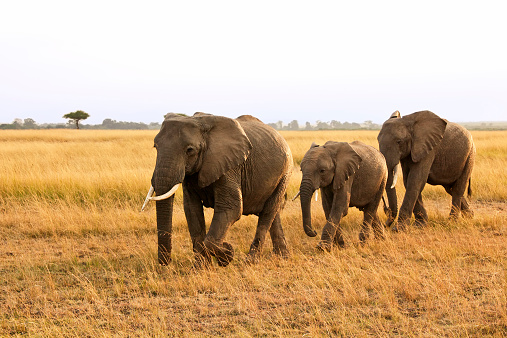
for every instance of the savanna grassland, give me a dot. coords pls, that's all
(77, 258)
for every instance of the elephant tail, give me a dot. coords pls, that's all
(386, 207)
(469, 192)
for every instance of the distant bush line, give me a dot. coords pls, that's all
(109, 124)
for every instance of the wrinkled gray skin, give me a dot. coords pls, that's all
(237, 167)
(430, 150)
(348, 175)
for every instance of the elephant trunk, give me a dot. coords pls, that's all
(165, 186)
(391, 196)
(164, 229)
(306, 192)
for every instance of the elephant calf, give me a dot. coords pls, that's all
(349, 175)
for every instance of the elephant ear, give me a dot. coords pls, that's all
(227, 146)
(346, 160)
(428, 131)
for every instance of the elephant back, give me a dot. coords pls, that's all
(452, 154)
(269, 162)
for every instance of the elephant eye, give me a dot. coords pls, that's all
(322, 171)
(190, 150)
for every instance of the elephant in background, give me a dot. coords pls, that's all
(430, 150)
(236, 166)
(348, 175)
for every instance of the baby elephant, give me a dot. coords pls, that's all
(349, 175)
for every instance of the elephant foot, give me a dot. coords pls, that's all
(202, 262)
(202, 256)
(363, 237)
(398, 227)
(467, 213)
(224, 253)
(252, 258)
(390, 220)
(379, 234)
(164, 260)
(324, 246)
(225, 256)
(280, 248)
(453, 216)
(419, 222)
(338, 241)
(281, 251)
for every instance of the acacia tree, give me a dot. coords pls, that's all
(76, 116)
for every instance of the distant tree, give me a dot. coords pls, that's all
(294, 125)
(18, 123)
(29, 123)
(308, 126)
(322, 125)
(154, 125)
(335, 124)
(108, 123)
(76, 116)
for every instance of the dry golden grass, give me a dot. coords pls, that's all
(78, 259)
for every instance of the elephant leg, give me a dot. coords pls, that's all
(456, 202)
(458, 192)
(214, 242)
(278, 237)
(338, 238)
(327, 202)
(378, 227)
(197, 227)
(455, 207)
(263, 225)
(466, 211)
(267, 218)
(332, 232)
(228, 209)
(421, 216)
(414, 183)
(365, 228)
(371, 216)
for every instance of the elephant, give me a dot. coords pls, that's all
(348, 175)
(430, 150)
(235, 166)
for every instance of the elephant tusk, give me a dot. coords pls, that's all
(316, 195)
(166, 195)
(297, 195)
(148, 197)
(395, 175)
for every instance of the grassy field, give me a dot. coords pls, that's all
(77, 258)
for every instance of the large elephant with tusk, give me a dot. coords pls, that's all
(429, 150)
(236, 166)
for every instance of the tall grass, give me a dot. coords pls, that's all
(78, 259)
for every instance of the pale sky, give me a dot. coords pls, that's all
(277, 60)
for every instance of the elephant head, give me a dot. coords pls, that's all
(410, 138)
(204, 145)
(329, 165)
